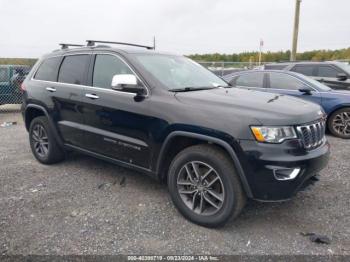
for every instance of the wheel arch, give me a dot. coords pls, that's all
(338, 107)
(166, 155)
(32, 111)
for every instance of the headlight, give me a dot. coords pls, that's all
(273, 134)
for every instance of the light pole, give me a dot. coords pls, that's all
(293, 54)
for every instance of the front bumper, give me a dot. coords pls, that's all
(260, 162)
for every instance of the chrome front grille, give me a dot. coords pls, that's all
(313, 134)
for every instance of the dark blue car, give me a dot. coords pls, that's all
(336, 103)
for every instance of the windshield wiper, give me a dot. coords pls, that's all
(190, 88)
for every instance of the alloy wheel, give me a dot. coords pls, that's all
(40, 140)
(341, 123)
(200, 188)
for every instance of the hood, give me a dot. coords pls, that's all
(343, 93)
(267, 108)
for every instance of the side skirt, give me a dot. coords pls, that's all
(112, 160)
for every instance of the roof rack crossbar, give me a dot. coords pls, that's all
(65, 46)
(92, 43)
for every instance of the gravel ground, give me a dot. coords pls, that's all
(79, 207)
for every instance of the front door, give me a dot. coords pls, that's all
(283, 83)
(327, 74)
(116, 124)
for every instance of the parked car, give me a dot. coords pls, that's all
(171, 118)
(333, 74)
(11, 78)
(335, 103)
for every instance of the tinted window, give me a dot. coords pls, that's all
(4, 75)
(48, 69)
(106, 66)
(255, 79)
(304, 69)
(284, 81)
(327, 71)
(72, 69)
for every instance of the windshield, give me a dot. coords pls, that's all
(177, 72)
(318, 85)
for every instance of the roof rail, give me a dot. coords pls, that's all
(92, 43)
(66, 46)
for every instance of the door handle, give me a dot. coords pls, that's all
(92, 96)
(50, 89)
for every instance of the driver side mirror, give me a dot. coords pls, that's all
(306, 91)
(342, 76)
(126, 83)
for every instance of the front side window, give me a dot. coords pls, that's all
(304, 69)
(283, 81)
(4, 75)
(327, 71)
(177, 72)
(255, 79)
(106, 66)
(73, 69)
(48, 69)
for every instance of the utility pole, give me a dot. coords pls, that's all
(293, 54)
(154, 43)
(260, 50)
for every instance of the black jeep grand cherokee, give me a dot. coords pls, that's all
(169, 117)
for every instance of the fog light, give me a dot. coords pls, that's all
(282, 173)
(286, 174)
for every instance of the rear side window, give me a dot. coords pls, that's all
(73, 69)
(255, 79)
(106, 66)
(48, 69)
(275, 67)
(327, 71)
(304, 69)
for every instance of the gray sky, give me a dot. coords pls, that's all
(30, 28)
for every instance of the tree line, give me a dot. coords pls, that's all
(315, 55)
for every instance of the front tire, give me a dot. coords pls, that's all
(43, 143)
(339, 123)
(204, 186)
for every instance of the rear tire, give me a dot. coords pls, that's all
(43, 143)
(208, 198)
(339, 123)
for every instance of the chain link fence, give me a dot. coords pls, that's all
(11, 78)
(225, 68)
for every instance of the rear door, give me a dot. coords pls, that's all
(116, 124)
(283, 83)
(59, 85)
(250, 80)
(307, 70)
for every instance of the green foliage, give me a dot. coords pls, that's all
(315, 55)
(17, 61)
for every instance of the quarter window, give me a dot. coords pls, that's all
(255, 79)
(106, 66)
(48, 69)
(304, 69)
(73, 69)
(283, 81)
(327, 71)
